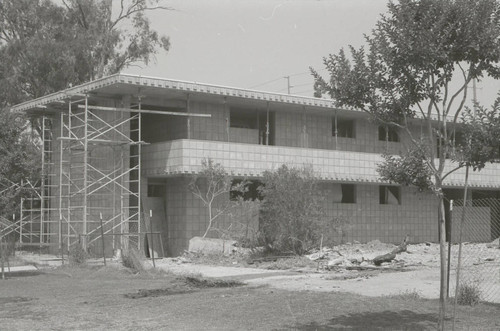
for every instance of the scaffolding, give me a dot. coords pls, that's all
(99, 176)
(90, 188)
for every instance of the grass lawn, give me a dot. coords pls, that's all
(106, 299)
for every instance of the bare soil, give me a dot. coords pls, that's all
(102, 298)
(306, 296)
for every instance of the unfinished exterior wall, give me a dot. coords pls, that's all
(106, 171)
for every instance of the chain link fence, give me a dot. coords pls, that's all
(475, 255)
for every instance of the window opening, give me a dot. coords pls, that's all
(388, 134)
(390, 195)
(344, 128)
(252, 192)
(348, 193)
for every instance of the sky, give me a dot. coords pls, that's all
(255, 44)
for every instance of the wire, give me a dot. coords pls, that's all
(265, 83)
(282, 77)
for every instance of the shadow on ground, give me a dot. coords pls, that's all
(383, 320)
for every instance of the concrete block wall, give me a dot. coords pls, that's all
(157, 128)
(370, 220)
(213, 128)
(187, 216)
(292, 127)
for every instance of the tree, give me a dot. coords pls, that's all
(210, 185)
(291, 217)
(18, 162)
(415, 56)
(47, 46)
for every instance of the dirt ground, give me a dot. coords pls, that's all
(396, 296)
(416, 270)
(106, 298)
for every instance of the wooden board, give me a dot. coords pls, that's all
(158, 221)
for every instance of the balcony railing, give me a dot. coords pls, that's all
(249, 160)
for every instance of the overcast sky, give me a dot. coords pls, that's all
(256, 43)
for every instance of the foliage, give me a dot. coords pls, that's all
(408, 295)
(46, 46)
(420, 59)
(242, 223)
(78, 255)
(481, 132)
(18, 162)
(407, 169)
(291, 218)
(469, 294)
(132, 259)
(210, 185)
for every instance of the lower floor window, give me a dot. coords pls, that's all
(390, 195)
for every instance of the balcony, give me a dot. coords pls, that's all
(184, 156)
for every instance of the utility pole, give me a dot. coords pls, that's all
(288, 83)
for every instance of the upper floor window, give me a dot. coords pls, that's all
(388, 133)
(389, 195)
(243, 118)
(344, 128)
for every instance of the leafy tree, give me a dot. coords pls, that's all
(18, 161)
(47, 46)
(210, 185)
(291, 217)
(419, 61)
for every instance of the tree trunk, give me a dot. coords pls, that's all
(443, 265)
(392, 255)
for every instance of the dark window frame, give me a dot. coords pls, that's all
(344, 128)
(384, 194)
(349, 193)
(388, 133)
(243, 118)
(251, 195)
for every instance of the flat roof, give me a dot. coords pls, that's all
(126, 84)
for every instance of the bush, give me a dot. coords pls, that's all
(133, 260)
(78, 255)
(292, 218)
(469, 294)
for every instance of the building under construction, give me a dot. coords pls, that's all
(119, 152)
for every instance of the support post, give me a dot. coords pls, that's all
(267, 124)
(102, 240)
(85, 172)
(188, 110)
(151, 231)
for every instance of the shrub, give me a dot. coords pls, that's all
(468, 294)
(133, 260)
(291, 218)
(77, 255)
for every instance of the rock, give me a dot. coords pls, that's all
(356, 242)
(374, 242)
(334, 262)
(315, 256)
(494, 244)
(211, 246)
